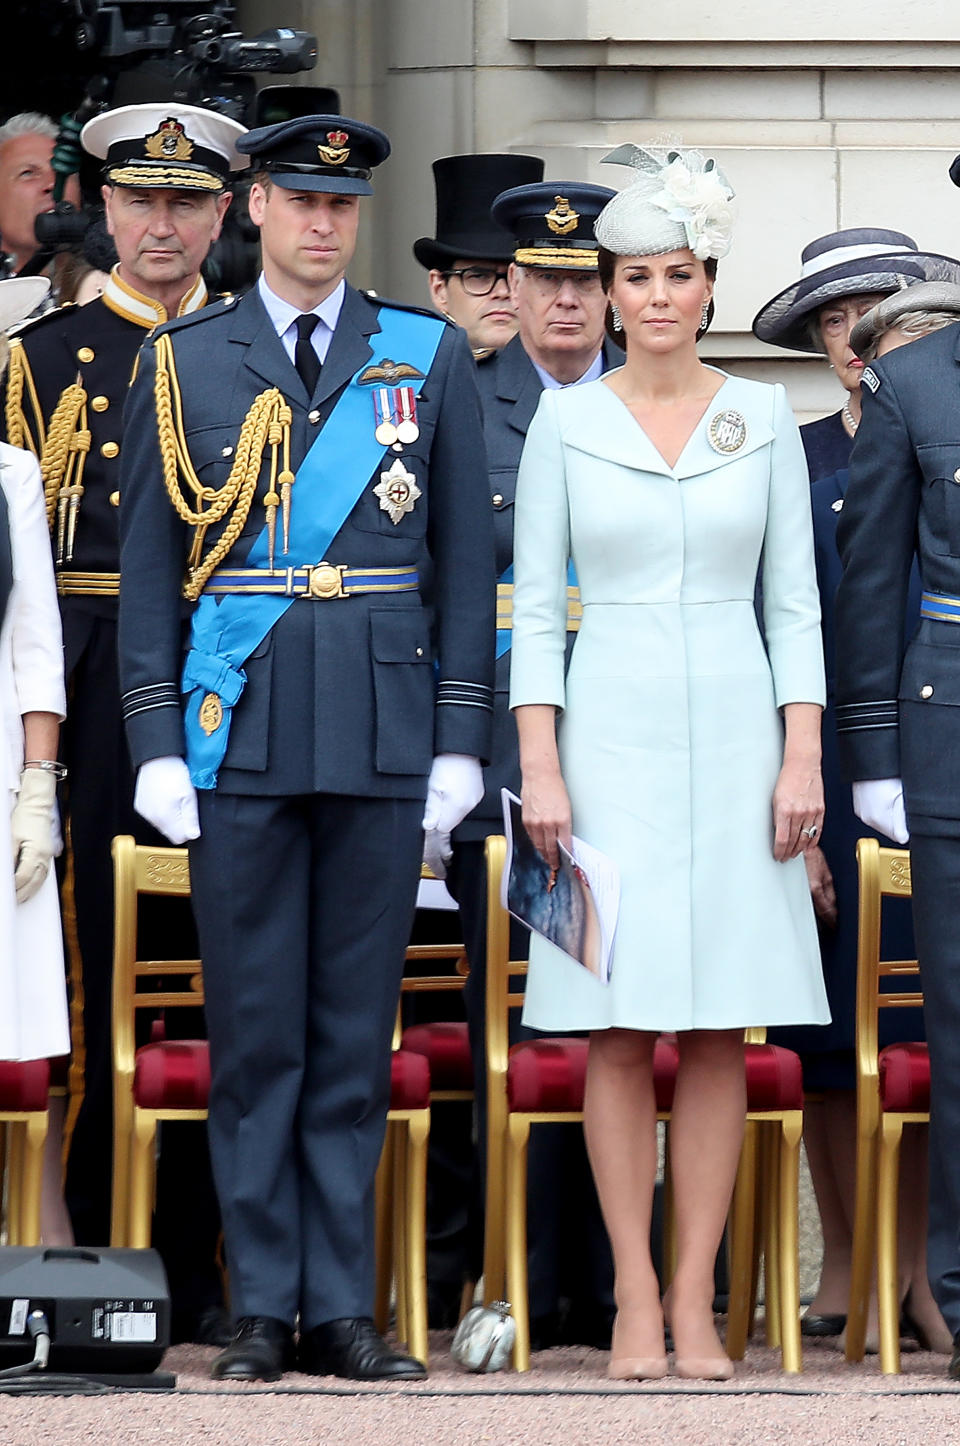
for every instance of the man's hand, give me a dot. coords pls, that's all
(822, 892)
(33, 831)
(166, 798)
(878, 802)
(455, 786)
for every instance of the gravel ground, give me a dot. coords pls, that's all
(565, 1399)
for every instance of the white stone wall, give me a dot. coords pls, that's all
(822, 115)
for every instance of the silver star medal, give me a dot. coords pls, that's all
(398, 491)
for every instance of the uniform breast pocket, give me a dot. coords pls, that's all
(940, 511)
(930, 726)
(403, 690)
(211, 451)
(394, 502)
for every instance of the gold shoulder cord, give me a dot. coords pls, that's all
(61, 463)
(266, 423)
(20, 381)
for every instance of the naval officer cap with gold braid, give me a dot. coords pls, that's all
(328, 153)
(552, 223)
(185, 147)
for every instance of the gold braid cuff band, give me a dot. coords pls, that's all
(88, 584)
(505, 608)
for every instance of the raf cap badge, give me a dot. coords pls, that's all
(169, 142)
(337, 149)
(563, 218)
(398, 491)
(727, 431)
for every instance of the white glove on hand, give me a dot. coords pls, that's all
(878, 802)
(437, 852)
(454, 787)
(166, 798)
(34, 834)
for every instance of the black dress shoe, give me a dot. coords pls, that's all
(351, 1347)
(261, 1350)
(211, 1326)
(820, 1326)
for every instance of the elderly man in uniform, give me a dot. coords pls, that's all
(166, 173)
(468, 258)
(897, 715)
(307, 467)
(560, 310)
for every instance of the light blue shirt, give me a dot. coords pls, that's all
(284, 318)
(550, 384)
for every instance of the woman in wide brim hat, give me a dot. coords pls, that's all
(33, 1008)
(844, 277)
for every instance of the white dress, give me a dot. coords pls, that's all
(670, 736)
(33, 1004)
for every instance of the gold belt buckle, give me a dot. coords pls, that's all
(326, 580)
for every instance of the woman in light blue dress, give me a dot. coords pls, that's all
(688, 745)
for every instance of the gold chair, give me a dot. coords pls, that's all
(893, 1090)
(24, 1089)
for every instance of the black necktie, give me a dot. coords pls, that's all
(305, 359)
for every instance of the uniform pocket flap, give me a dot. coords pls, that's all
(940, 461)
(399, 636)
(931, 674)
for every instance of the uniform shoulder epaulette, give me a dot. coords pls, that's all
(33, 324)
(203, 313)
(406, 306)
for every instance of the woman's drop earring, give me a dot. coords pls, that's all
(705, 316)
(615, 314)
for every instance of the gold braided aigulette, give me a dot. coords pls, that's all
(67, 423)
(267, 422)
(20, 380)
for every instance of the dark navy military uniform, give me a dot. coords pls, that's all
(898, 697)
(305, 875)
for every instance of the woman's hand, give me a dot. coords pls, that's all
(797, 808)
(546, 813)
(820, 879)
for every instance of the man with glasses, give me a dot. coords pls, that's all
(469, 256)
(560, 312)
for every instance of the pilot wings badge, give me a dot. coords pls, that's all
(388, 373)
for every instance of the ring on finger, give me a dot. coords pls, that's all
(811, 832)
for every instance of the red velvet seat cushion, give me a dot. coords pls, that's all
(774, 1078)
(24, 1084)
(172, 1075)
(447, 1047)
(409, 1081)
(905, 1078)
(548, 1075)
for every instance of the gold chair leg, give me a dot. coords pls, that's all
(888, 1292)
(400, 1175)
(788, 1243)
(516, 1236)
(382, 1233)
(740, 1245)
(35, 1138)
(120, 1185)
(415, 1236)
(770, 1185)
(16, 1135)
(864, 1236)
(142, 1177)
(494, 1222)
(466, 1298)
(669, 1262)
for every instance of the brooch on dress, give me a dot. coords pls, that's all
(727, 431)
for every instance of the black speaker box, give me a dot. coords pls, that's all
(108, 1310)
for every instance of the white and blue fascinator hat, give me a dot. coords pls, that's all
(677, 199)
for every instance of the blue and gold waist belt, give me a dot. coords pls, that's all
(940, 606)
(321, 582)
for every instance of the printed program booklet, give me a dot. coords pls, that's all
(575, 907)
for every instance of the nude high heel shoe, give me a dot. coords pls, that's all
(635, 1368)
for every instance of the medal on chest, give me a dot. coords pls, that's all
(398, 491)
(396, 426)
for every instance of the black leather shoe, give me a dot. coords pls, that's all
(261, 1350)
(953, 1370)
(351, 1347)
(820, 1326)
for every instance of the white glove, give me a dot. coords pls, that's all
(34, 833)
(437, 852)
(454, 787)
(165, 797)
(878, 802)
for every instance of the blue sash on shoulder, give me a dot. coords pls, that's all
(505, 635)
(225, 631)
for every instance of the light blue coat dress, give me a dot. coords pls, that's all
(670, 735)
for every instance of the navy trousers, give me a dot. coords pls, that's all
(304, 907)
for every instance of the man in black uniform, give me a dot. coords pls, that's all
(561, 309)
(307, 465)
(467, 260)
(166, 176)
(897, 715)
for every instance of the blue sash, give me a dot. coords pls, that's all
(224, 631)
(505, 635)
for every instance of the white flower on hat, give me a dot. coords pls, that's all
(695, 194)
(677, 198)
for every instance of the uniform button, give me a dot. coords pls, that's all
(927, 690)
(498, 499)
(226, 451)
(419, 652)
(956, 475)
(110, 449)
(313, 416)
(100, 404)
(838, 505)
(114, 499)
(86, 354)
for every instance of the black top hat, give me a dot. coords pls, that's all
(328, 153)
(552, 222)
(854, 262)
(466, 187)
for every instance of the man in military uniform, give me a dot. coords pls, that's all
(467, 260)
(166, 173)
(561, 309)
(897, 716)
(308, 466)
